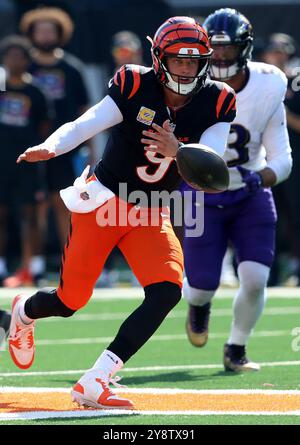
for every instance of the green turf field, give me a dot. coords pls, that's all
(67, 347)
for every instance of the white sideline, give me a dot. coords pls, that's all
(114, 412)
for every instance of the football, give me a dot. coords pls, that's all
(202, 168)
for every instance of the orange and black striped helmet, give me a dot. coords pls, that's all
(180, 37)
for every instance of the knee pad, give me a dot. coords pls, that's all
(253, 277)
(166, 294)
(196, 297)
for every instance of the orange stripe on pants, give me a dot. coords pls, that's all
(153, 251)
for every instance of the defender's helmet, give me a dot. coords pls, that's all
(180, 37)
(227, 26)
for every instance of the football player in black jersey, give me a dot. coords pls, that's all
(149, 110)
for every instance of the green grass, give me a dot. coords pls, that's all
(169, 352)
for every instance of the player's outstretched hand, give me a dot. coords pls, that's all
(162, 140)
(35, 154)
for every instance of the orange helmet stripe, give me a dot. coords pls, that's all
(122, 76)
(175, 33)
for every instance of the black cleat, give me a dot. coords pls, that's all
(235, 359)
(197, 324)
(5, 318)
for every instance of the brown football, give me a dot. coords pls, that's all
(202, 168)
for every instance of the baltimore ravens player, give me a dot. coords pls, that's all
(259, 156)
(140, 153)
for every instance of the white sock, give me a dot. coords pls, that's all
(22, 315)
(194, 296)
(3, 266)
(108, 362)
(37, 265)
(249, 301)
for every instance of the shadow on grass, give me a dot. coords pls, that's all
(170, 377)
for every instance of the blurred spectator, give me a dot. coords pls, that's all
(126, 48)
(7, 18)
(23, 122)
(281, 50)
(59, 75)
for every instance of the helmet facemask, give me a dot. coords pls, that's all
(227, 68)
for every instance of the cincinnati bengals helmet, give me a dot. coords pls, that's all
(180, 37)
(227, 26)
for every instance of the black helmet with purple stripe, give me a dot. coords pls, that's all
(227, 26)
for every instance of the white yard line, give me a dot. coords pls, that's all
(133, 293)
(109, 316)
(163, 337)
(141, 369)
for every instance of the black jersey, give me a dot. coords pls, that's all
(22, 110)
(62, 83)
(140, 99)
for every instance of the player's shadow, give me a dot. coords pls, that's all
(172, 377)
(164, 377)
(65, 420)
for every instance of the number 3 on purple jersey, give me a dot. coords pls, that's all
(241, 138)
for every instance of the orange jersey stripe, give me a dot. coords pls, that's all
(122, 75)
(231, 105)
(221, 100)
(136, 83)
(116, 79)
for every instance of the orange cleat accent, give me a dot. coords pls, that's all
(92, 390)
(21, 337)
(79, 388)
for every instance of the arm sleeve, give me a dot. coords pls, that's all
(216, 137)
(100, 117)
(277, 144)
